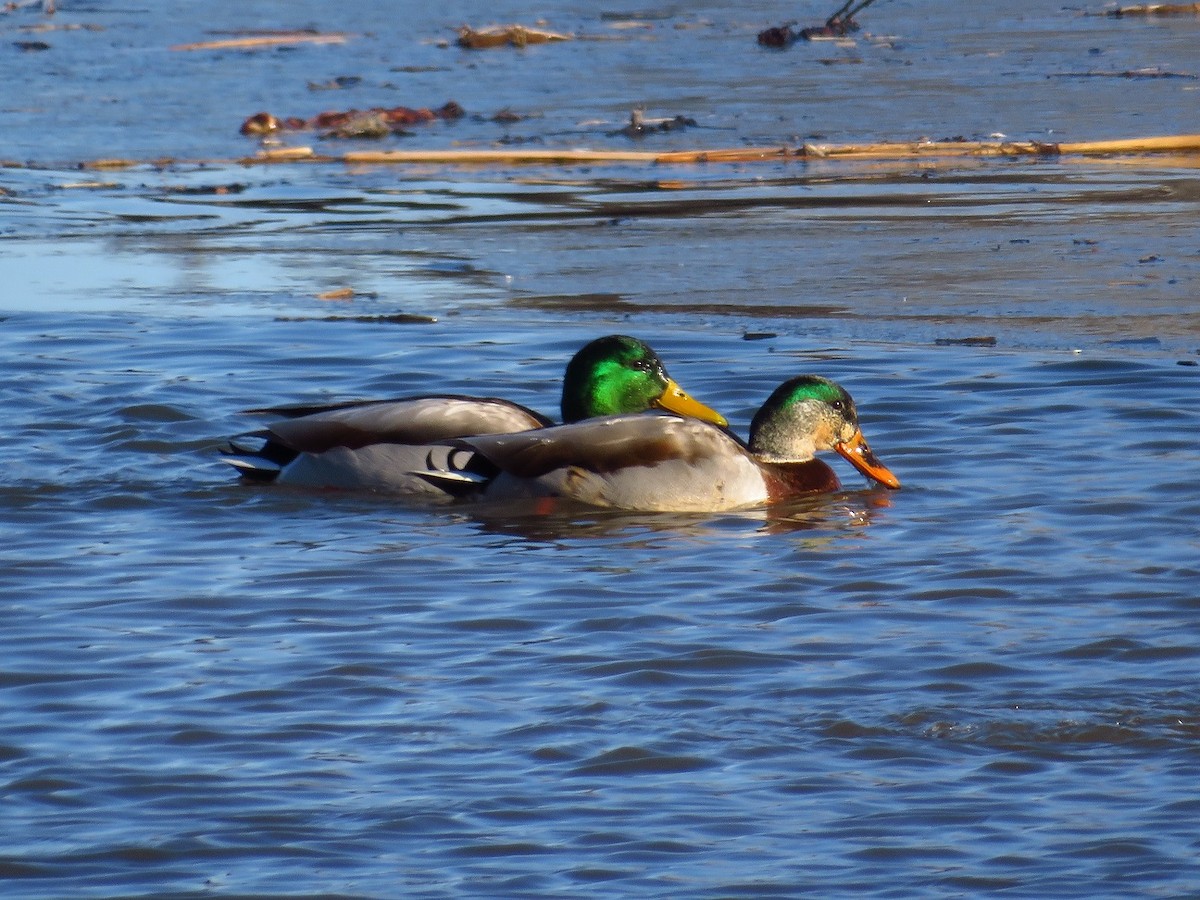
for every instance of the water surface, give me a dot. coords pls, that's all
(984, 682)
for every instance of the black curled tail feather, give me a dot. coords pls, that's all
(458, 470)
(256, 457)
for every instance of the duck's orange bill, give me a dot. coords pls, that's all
(864, 459)
(675, 399)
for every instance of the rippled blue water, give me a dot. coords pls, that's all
(983, 683)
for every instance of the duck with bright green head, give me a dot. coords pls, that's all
(668, 463)
(379, 444)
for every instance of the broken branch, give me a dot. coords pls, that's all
(265, 40)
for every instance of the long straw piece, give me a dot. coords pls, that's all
(1183, 143)
(1178, 144)
(265, 40)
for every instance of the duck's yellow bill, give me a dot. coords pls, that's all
(675, 399)
(864, 459)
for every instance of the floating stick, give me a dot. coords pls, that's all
(265, 40)
(1176, 144)
(1183, 143)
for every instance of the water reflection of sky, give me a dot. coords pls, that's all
(1058, 256)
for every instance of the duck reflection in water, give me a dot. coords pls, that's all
(825, 517)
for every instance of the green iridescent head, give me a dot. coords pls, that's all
(620, 374)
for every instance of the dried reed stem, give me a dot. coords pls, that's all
(266, 40)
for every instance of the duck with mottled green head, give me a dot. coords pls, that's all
(667, 463)
(377, 445)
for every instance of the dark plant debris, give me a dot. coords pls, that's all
(374, 122)
(1146, 72)
(43, 27)
(384, 319)
(341, 82)
(639, 15)
(639, 126)
(980, 341)
(1133, 342)
(840, 24)
(206, 190)
(507, 116)
(363, 125)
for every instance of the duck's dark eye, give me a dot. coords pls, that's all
(838, 405)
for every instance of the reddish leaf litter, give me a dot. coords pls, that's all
(373, 122)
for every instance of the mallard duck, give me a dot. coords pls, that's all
(659, 462)
(377, 445)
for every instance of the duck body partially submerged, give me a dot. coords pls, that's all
(647, 462)
(381, 445)
(372, 445)
(656, 462)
